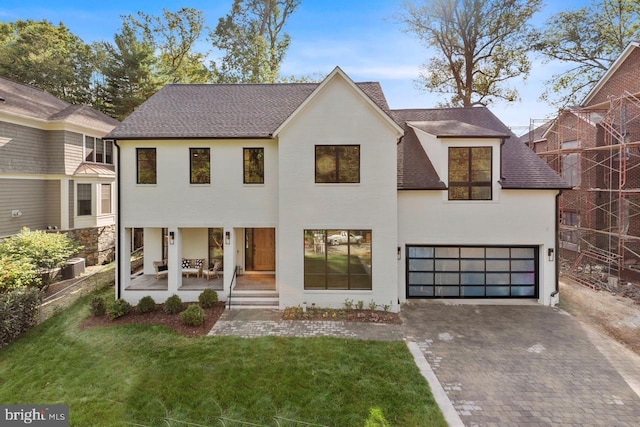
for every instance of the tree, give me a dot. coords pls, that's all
(480, 45)
(49, 57)
(590, 39)
(174, 35)
(251, 40)
(127, 67)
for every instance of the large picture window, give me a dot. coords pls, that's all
(146, 164)
(84, 199)
(337, 259)
(200, 165)
(337, 163)
(253, 165)
(470, 173)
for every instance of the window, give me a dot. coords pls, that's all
(470, 173)
(105, 198)
(254, 165)
(97, 150)
(337, 259)
(571, 164)
(84, 199)
(108, 152)
(200, 165)
(337, 163)
(89, 149)
(569, 233)
(146, 158)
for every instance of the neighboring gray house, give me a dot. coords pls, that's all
(56, 171)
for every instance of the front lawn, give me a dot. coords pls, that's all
(151, 376)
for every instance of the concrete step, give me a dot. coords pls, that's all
(254, 299)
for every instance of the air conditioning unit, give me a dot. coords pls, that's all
(73, 268)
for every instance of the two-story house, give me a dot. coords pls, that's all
(56, 170)
(318, 193)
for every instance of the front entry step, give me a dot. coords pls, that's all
(254, 299)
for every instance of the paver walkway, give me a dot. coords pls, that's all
(499, 365)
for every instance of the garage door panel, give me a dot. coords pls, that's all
(472, 271)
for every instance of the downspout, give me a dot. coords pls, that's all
(557, 244)
(118, 252)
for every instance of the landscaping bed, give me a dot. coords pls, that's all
(159, 317)
(348, 315)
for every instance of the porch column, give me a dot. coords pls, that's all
(174, 260)
(230, 249)
(123, 266)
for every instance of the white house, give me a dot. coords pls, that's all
(284, 194)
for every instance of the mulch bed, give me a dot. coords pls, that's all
(159, 317)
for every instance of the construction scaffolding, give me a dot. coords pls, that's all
(597, 151)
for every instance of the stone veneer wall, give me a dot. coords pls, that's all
(99, 243)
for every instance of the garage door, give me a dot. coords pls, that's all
(472, 271)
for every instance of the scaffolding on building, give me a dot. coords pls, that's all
(598, 151)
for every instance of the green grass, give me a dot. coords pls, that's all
(150, 375)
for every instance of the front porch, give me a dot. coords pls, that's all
(245, 282)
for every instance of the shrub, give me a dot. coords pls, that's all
(43, 250)
(173, 305)
(193, 315)
(146, 305)
(118, 308)
(18, 313)
(16, 273)
(98, 306)
(208, 298)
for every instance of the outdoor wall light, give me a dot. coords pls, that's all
(172, 237)
(550, 254)
(399, 252)
(227, 237)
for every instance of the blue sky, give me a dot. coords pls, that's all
(360, 36)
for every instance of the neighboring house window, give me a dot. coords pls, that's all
(254, 165)
(146, 160)
(84, 199)
(97, 150)
(200, 165)
(569, 233)
(470, 173)
(105, 198)
(337, 259)
(571, 164)
(337, 163)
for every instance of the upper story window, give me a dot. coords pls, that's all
(253, 165)
(571, 164)
(146, 165)
(84, 199)
(96, 150)
(200, 165)
(470, 171)
(337, 163)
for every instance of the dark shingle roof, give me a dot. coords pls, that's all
(222, 110)
(415, 170)
(31, 102)
(521, 167)
(457, 128)
(537, 134)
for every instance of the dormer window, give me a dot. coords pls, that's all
(470, 171)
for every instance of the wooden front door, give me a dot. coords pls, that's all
(264, 249)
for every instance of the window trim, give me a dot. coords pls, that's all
(191, 158)
(244, 166)
(155, 164)
(469, 184)
(337, 164)
(102, 199)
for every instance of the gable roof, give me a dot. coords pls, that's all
(27, 101)
(610, 72)
(415, 170)
(538, 133)
(223, 110)
(521, 167)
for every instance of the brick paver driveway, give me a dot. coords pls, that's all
(520, 365)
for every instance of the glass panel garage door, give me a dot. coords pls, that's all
(472, 272)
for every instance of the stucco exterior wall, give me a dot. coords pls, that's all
(522, 217)
(337, 116)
